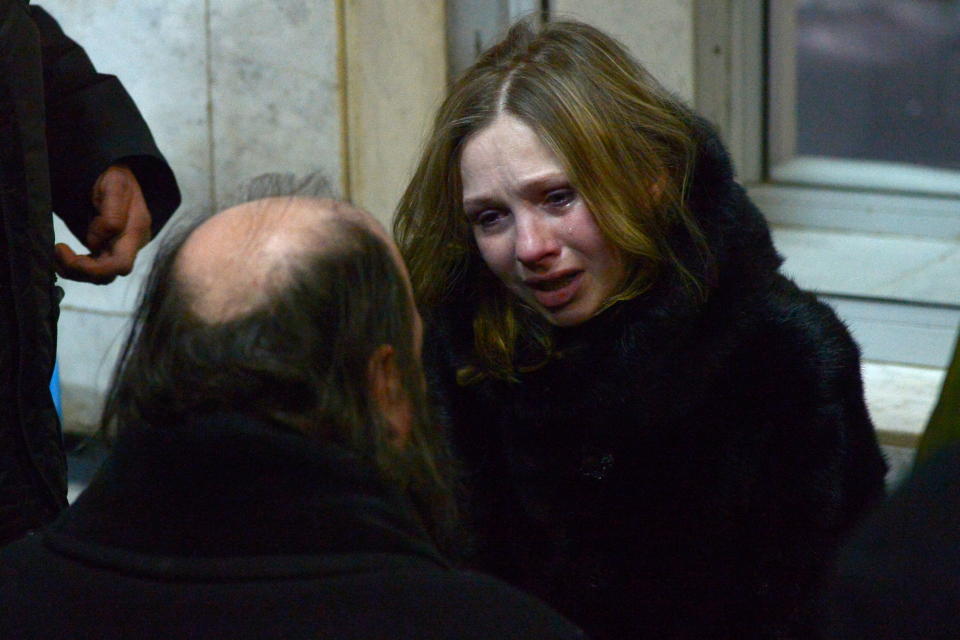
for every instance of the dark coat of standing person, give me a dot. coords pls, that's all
(898, 577)
(71, 142)
(276, 474)
(663, 436)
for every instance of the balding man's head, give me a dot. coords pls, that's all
(296, 310)
(234, 262)
(279, 307)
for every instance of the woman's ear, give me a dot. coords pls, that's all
(385, 384)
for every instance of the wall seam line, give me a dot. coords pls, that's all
(211, 142)
(346, 177)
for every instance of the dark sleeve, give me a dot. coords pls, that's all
(92, 123)
(943, 426)
(899, 575)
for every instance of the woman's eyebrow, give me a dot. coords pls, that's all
(545, 180)
(528, 187)
(536, 185)
(474, 202)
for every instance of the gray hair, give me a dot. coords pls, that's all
(280, 185)
(261, 187)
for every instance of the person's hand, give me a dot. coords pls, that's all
(114, 236)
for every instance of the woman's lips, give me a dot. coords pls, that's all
(555, 292)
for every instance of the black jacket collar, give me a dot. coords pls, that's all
(227, 495)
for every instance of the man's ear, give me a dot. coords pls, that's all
(386, 388)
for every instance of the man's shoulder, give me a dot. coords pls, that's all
(450, 603)
(481, 606)
(18, 555)
(352, 595)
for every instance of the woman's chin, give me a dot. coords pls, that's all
(567, 316)
(569, 312)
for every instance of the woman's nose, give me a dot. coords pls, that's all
(536, 241)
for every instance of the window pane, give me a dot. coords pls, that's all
(878, 80)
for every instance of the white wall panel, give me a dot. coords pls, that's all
(275, 104)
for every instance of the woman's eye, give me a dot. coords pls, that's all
(560, 197)
(487, 218)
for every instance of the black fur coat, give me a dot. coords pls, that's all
(683, 469)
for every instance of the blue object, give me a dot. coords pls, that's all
(55, 388)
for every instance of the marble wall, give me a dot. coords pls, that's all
(231, 89)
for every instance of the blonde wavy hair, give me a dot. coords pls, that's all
(626, 145)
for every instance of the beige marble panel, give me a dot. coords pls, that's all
(659, 33)
(900, 399)
(396, 74)
(274, 89)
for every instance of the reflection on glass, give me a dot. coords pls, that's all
(879, 80)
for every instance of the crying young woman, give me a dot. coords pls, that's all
(662, 435)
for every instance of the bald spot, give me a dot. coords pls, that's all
(232, 263)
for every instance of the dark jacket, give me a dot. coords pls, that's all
(61, 126)
(681, 468)
(224, 527)
(898, 578)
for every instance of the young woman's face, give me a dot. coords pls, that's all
(533, 229)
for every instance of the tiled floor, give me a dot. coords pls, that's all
(872, 265)
(900, 399)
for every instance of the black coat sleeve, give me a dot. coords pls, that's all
(92, 123)
(897, 577)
